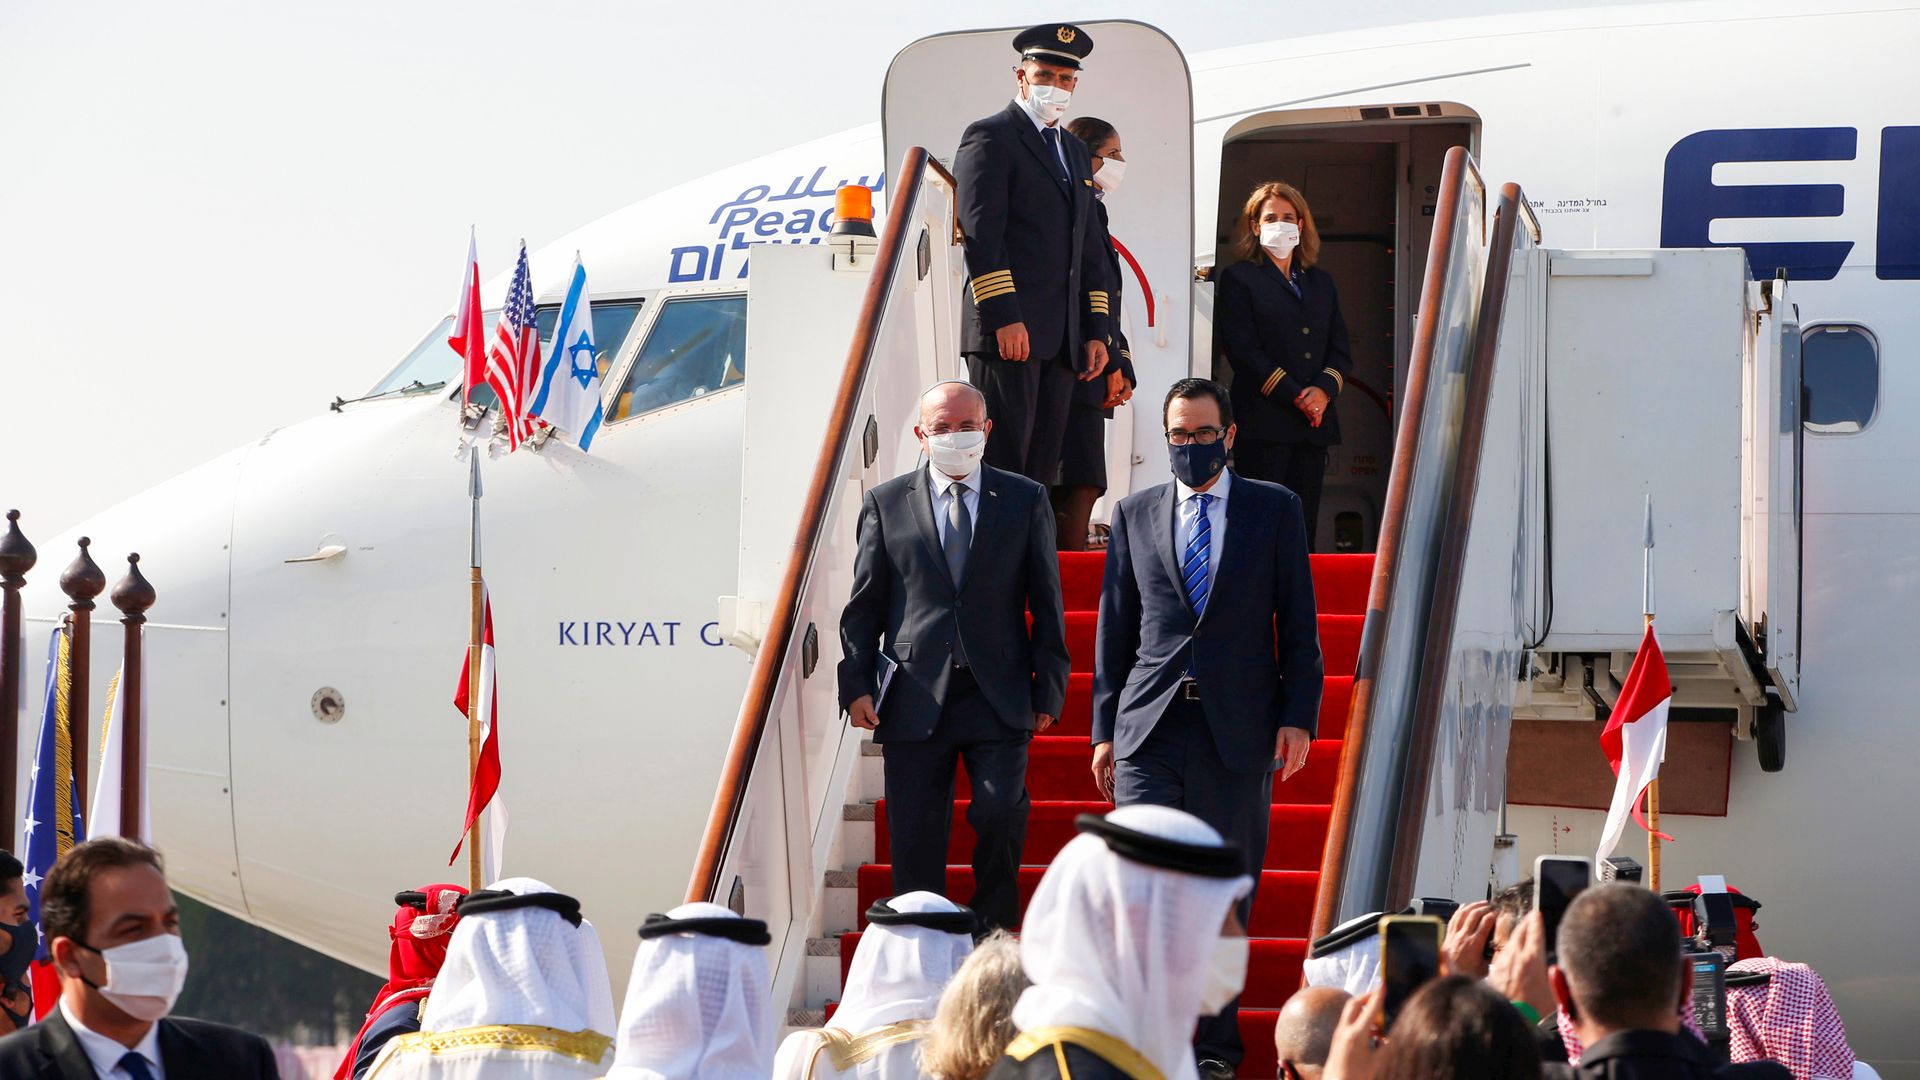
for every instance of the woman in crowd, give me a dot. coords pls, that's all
(1453, 1028)
(1278, 317)
(1083, 457)
(974, 1021)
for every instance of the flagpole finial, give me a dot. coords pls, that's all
(1646, 595)
(474, 488)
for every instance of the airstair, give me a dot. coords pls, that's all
(1550, 393)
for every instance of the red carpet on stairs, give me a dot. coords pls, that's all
(1061, 787)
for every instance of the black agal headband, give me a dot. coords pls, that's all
(744, 931)
(486, 900)
(1200, 860)
(947, 922)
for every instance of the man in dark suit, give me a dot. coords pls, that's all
(951, 559)
(1037, 302)
(113, 934)
(1207, 666)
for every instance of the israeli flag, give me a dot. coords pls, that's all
(569, 393)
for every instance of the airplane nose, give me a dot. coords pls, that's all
(182, 530)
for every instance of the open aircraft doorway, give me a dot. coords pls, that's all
(1370, 175)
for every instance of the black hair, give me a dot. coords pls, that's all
(1091, 130)
(65, 903)
(1198, 388)
(10, 868)
(1620, 947)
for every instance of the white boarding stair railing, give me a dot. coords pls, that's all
(772, 834)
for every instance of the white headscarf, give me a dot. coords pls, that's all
(696, 1008)
(897, 974)
(522, 966)
(898, 971)
(1354, 968)
(1122, 947)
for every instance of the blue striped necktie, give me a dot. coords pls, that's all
(1195, 572)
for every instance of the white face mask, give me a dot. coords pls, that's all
(1049, 103)
(1226, 974)
(1280, 237)
(144, 977)
(1112, 171)
(956, 452)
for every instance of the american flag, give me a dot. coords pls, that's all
(53, 808)
(513, 360)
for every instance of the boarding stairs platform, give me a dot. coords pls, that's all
(1482, 583)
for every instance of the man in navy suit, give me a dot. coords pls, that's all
(951, 558)
(113, 935)
(1037, 298)
(1207, 666)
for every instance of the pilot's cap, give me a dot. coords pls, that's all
(1055, 43)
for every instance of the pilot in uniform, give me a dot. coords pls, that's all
(1109, 1002)
(1037, 302)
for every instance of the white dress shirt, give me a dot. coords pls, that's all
(1058, 147)
(1189, 514)
(941, 500)
(104, 1054)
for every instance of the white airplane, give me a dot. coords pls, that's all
(325, 562)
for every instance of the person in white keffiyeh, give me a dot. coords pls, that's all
(912, 946)
(523, 993)
(1130, 939)
(697, 1005)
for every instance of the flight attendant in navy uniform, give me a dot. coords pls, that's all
(1279, 321)
(1083, 458)
(1037, 302)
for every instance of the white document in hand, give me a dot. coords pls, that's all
(883, 669)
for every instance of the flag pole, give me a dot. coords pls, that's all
(1653, 789)
(133, 596)
(477, 590)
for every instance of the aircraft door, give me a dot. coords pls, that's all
(1137, 80)
(1772, 498)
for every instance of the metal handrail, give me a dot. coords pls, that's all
(1458, 171)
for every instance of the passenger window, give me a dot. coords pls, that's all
(697, 346)
(1840, 377)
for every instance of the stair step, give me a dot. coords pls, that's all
(1296, 834)
(1273, 968)
(1284, 902)
(1059, 769)
(1336, 695)
(1339, 641)
(1340, 582)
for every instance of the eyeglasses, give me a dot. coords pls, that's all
(1206, 436)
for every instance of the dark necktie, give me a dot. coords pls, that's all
(1052, 135)
(959, 541)
(136, 1066)
(1196, 570)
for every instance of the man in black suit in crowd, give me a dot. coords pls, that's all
(1037, 302)
(113, 932)
(951, 558)
(1207, 665)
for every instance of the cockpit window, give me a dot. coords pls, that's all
(698, 345)
(611, 324)
(432, 361)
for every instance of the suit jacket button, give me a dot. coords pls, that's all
(1307, 355)
(1306, 329)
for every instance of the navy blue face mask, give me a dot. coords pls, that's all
(25, 943)
(1197, 465)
